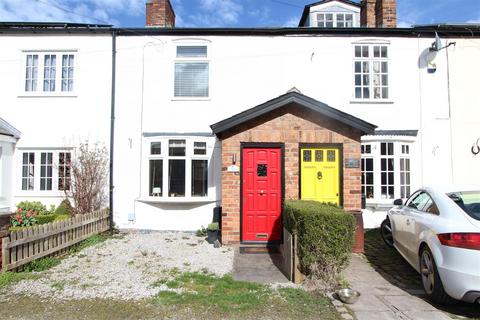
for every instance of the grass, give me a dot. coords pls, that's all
(42, 264)
(223, 293)
(224, 297)
(8, 278)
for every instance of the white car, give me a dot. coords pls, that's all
(438, 233)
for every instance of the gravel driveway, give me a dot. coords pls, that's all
(132, 267)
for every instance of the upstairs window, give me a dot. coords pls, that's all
(53, 71)
(191, 72)
(371, 72)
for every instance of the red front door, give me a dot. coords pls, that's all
(261, 194)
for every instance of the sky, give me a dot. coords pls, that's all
(221, 13)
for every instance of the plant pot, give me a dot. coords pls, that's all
(212, 235)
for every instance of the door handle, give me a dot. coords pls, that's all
(319, 175)
(261, 192)
(408, 222)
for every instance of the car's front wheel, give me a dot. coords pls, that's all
(432, 284)
(386, 232)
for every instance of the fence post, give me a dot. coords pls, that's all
(5, 253)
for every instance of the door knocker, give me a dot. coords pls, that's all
(476, 147)
(319, 175)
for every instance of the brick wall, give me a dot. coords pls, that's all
(379, 13)
(159, 13)
(290, 125)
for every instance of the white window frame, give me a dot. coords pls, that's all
(371, 60)
(398, 142)
(41, 90)
(37, 171)
(206, 60)
(334, 20)
(189, 156)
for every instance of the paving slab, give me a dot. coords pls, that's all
(427, 315)
(258, 267)
(382, 299)
(383, 315)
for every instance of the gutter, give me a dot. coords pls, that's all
(112, 125)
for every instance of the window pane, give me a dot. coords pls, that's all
(67, 72)
(200, 148)
(365, 51)
(358, 92)
(49, 72)
(28, 166)
(155, 148)
(358, 80)
(369, 164)
(358, 53)
(46, 170)
(176, 148)
(199, 178)
(64, 175)
(176, 178)
(31, 72)
(384, 53)
(376, 51)
(191, 51)
(156, 178)
(191, 79)
(358, 67)
(330, 155)
(307, 155)
(318, 155)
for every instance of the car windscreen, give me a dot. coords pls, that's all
(469, 201)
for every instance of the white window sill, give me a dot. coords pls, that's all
(40, 194)
(191, 99)
(371, 101)
(176, 199)
(47, 95)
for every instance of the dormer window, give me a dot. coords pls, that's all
(334, 20)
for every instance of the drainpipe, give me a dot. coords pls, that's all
(112, 125)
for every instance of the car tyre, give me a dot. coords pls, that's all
(432, 284)
(386, 232)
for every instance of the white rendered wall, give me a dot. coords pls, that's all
(465, 110)
(246, 71)
(53, 122)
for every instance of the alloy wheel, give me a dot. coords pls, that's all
(427, 271)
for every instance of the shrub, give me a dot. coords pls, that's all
(213, 226)
(35, 206)
(202, 232)
(325, 234)
(51, 218)
(63, 208)
(23, 218)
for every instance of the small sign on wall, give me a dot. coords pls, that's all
(352, 163)
(233, 168)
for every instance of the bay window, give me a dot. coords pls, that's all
(185, 163)
(385, 169)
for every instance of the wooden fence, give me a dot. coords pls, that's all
(26, 245)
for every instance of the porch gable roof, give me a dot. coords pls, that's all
(7, 129)
(299, 99)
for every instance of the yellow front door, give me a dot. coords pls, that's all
(320, 175)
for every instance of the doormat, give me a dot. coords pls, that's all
(253, 250)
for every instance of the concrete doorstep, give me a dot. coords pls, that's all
(261, 267)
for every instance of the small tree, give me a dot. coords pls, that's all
(88, 185)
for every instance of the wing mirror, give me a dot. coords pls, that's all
(398, 202)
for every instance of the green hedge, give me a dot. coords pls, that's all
(325, 236)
